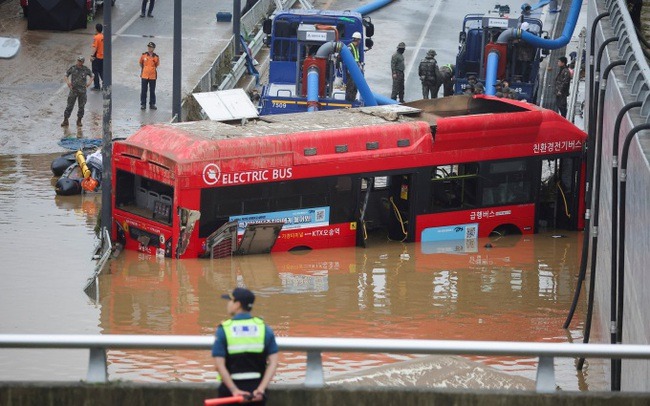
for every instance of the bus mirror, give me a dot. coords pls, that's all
(369, 43)
(266, 26)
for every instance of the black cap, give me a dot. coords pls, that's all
(151, 44)
(244, 296)
(562, 59)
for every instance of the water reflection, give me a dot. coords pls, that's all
(517, 290)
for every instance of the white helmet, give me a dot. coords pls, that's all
(356, 35)
(525, 26)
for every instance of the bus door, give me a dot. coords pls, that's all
(560, 194)
(401, 200)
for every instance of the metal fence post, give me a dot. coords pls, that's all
(97, 371)
(545, 375)
(314, 377)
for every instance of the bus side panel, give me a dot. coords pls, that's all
(332, 236)
(488, 219)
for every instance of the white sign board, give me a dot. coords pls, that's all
(225, 105)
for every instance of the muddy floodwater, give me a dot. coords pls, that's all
(518, 290)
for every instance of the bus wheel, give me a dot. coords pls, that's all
(505, 229)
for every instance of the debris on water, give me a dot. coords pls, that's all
(558, 236)
(405, 257)
(488, 245)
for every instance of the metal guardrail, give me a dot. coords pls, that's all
(545, 352)
(637, 71)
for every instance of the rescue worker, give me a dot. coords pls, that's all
(149, 62)
(97, 58)
(350, 86)
(244, 350)
(429, 73)
(525, 53)
(447, 79)
(397, 69)
(75, 77)
(498, 88)
(479, 88)
(471, 82)
(562, 84)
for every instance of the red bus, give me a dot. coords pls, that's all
(454, 168)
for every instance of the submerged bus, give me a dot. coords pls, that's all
(458, 168)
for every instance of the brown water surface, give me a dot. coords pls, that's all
(518, 290)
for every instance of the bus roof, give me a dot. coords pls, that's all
(453, 123)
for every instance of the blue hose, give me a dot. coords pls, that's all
(491, 72)
(349, 62)
(539, 42)
(383, 100)
(312, 89)
(369, 8)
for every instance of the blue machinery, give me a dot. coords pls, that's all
(303, 68)
(533, 39)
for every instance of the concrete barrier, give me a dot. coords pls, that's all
(186, 394)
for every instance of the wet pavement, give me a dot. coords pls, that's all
(520, 290)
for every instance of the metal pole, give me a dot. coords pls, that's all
(236, 25)
(107, 138)
(176, 86)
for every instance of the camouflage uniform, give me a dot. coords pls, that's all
(77, 76)
(428, 71)
(447, 79)
(397, 69)
(562, 83)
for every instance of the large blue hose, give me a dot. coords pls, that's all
(539, 42)
(312, 89)
(369, 8)
(491, 72)
(348, 60)
(357, 76)
(382, 100)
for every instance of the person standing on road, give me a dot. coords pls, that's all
(562, 84)
(75, 77)
(350, 86)
(144, 8)
(244, 350)
(149, 62)
(97, 59)
(397, 69)
(429, 73)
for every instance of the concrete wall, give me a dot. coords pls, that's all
(636, 320)
(186, 394)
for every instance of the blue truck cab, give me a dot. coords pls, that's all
(294, 37)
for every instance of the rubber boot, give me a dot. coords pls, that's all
(65, 122)
(79, 124)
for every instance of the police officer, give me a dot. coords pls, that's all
(429, 73)
(244, 350)
(350, 86)
(75, 77)
(397, 69)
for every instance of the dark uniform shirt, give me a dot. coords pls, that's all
(428, 70)
(77, 76)
(397, 63)
(563, 81)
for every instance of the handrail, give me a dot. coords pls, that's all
(315, 346)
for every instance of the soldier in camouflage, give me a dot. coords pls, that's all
(75, 77)
(397, 69)
(562, 84)
(429, 73)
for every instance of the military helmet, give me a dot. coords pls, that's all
(431, 53)
(401, 45)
